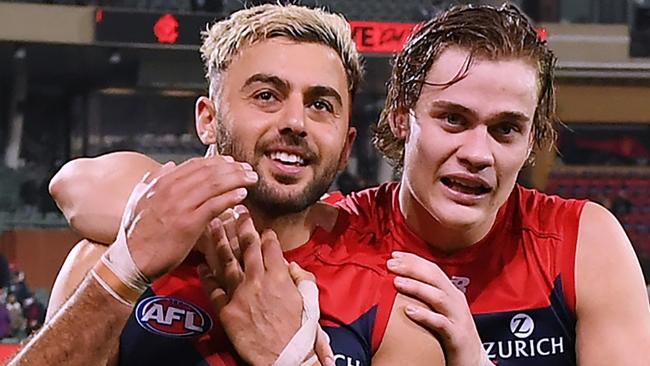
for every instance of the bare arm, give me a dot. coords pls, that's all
(92, 192)
(80, 260)
(164, 226)
(613, 315)
(84, 332)
(405, 342)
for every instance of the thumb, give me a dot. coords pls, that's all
(323, 349)
(298, 274)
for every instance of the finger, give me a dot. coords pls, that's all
(298, 274)
(211, 287)
(216, 205)
(196, 164)
(223, 253)
(323, 349)
(206, 246)
(436, 323)
(246, 232)
(200, 185)
(230, 226)
(272, 253)
(417, 268)
(199, 171)
(245, 228)
(192, 183)
(434, 297)
(241, 214)
(252, 253)
(227, 269)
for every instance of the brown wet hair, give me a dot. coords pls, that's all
(488, 33)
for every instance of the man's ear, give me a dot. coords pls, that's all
(347, 148)
(205, 120)
(399, 125)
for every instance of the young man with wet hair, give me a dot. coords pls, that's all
(548, 280)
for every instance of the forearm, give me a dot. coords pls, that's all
(92, 193)
(84, 332)
(80, 260)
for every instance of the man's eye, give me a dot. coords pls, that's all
(507, 129)
(321, 105)
(454, 119)
(265, 95)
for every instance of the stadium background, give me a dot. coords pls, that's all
(82, 78)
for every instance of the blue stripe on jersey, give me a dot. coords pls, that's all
(530, 337)
(352, 342)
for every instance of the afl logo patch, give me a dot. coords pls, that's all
(171, 317)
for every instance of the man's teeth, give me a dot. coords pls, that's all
(467, 184)
(287, 158)
(469, 187)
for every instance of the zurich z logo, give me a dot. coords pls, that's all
(171, 317)
(522, 325)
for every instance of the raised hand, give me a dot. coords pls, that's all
(447, 315)
(169, 211)
(258, 303)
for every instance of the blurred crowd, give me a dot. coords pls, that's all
(20, 312)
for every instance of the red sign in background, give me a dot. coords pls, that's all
(126, 26)
(383, 37)
(380, 37)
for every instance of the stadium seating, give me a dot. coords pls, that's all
(626, 192)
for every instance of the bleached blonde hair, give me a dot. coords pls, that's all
(226, 38)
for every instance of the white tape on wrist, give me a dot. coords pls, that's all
(116, 271)
(300, 349)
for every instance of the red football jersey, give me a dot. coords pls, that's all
(174, 323)
(518, 280)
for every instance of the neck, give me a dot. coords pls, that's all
(437, 234)
(295, 229)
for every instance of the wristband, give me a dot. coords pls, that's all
(300, 349)
(116, 271)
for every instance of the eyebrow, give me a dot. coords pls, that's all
(282, 85)
(513, 116)
(323, 91)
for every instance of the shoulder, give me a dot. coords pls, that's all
(368, 200)
(606, 266)
(601, 234)
(543, 213)
(613, 321)
(371, 209)
(602, 242)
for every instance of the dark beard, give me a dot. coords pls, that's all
(268, 200)
(264, 197)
